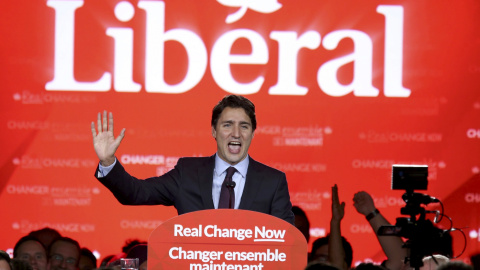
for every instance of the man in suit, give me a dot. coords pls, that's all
(196, 182)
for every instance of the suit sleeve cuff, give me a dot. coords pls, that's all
(103, 171)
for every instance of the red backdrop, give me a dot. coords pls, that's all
(343, 90)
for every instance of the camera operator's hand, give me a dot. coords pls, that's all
(363, 203)
(391, 245)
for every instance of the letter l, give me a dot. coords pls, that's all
(63, 79)
(393, 51)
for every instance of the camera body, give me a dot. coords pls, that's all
(419, 232)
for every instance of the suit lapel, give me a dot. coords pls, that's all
(205, 176)
(252, 186)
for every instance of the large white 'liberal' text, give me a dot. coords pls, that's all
(221, 60)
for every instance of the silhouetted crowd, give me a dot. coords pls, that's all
(47, 249)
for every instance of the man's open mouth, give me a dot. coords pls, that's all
(234, 147)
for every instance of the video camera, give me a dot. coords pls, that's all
(422, 236)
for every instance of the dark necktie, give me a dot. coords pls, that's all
(227, 196)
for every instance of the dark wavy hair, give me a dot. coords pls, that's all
(234, 101)
(4, 256)
(25, 239)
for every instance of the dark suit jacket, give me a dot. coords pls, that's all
(188, 187)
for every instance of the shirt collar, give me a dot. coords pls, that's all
(221, 165)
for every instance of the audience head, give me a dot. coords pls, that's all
(233, 101)
(369, 266)
(455, 265)
(131, 243)
(115, 260)
(139, 251)
(4, 261)
(64, 253)
(104, 262)
(320, 250)
(301, 221)
(32, 251)
(87, 261)
(434, 261)
(320, 265)
(46, 236)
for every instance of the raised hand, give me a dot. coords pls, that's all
(338, 209)
(104, 141)
(336, 252)
(363, 202)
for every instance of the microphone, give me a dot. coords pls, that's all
(230, 184)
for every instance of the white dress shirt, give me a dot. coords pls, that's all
(238, 177)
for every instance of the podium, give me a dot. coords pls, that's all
(226, 239)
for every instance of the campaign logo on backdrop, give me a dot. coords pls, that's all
(473, 133)
(388, 201)
(472, 197)
(361, 228)
(309, 136)
(318, 232)
(31, 162)
(310, 200)
(26, 226)
(56, 196)
(300, 167)
(140, 224)
(474, 234)
(53, 131)
(433, 165)
(27, 97)
(373, 136)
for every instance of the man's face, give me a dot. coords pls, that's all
(63, 255)
(233, 134)
(33, 253)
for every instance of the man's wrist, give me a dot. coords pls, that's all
(372, 214)
(107, 162)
